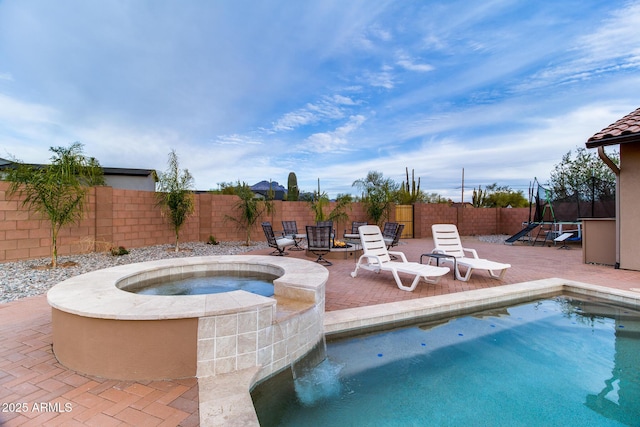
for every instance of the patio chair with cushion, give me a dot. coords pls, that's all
(391, 242)
(396, 238)
(353, 235)
(319, 242)
(290, 230)
(376, 257)
(389, 231)
(278, 243)
(327, 224)
(447, 241)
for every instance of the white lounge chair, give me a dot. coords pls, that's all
(447, 241)
(376, 257)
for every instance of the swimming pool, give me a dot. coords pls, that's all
(557, 361)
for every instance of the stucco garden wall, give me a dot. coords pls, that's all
(131, 218)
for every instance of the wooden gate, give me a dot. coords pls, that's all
(404, 215)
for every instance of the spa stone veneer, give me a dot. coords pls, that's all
(102, 330)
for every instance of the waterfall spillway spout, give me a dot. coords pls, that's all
(316, 377)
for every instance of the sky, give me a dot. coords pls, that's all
(329, 89)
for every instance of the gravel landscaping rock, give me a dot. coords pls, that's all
(497, 238)
(22, 279)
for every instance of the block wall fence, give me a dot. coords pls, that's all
(131, 218)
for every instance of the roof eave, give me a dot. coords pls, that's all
(613, 140)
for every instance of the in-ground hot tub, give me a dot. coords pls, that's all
(102, 330)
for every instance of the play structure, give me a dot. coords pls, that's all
(557, 215)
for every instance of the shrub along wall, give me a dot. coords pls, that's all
(130, 218)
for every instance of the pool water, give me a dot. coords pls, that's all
(560, 361)
(222, 281)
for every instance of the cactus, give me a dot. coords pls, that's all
(292, 187)
(411, 190)
(479, 197)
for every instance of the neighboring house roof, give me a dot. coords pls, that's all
(128, 172)
(130, 179)
(4, 163)
(627, 129)
(263, 188)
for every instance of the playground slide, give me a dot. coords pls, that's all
(522, 232)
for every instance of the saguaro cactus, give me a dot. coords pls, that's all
(293, 192)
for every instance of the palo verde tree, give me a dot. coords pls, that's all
(249, 208)
(57, 191)
(502, 196)
(175, 195)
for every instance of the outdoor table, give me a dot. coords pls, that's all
(438, 257)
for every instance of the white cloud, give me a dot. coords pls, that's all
(383, 78)
(409, 65)
(15, 110)
(510, 85)
(327, 109)
(611, 47)
(295, 119)
(334, 141)
(236, 139)
(380, 33)
(343, 100)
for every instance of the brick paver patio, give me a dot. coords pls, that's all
(35, 390)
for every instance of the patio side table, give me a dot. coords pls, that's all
(438, 257)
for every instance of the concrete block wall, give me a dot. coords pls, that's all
(131, 218)
(25, 235)
(137, 221)
(470, 221)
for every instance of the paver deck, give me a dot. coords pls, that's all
(35, 390)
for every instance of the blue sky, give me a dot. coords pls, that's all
(248, 90)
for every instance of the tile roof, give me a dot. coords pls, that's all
(627, 129)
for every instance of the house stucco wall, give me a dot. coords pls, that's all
(128, 182)
(629, 215)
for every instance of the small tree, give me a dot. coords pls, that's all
(377, 195)
(575, 175)
(435, 198)
(57, 191)
(339, 213)
(501, 196)
(498, 196)
(318, 201)
(228, 188)
(175, 195)
(249, 208)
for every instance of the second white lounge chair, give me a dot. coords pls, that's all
(376, 257)
(447, 241)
